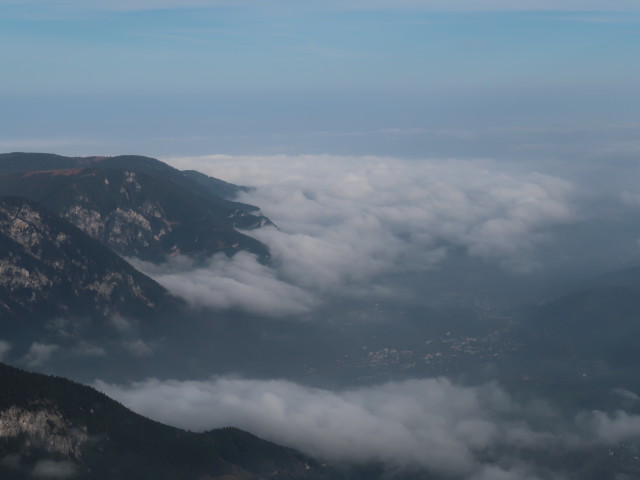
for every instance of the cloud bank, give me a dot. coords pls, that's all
(235, 282)
(349, 218)
(422, 423)
(474, 432)
(344, 222)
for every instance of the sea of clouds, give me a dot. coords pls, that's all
(345, 222)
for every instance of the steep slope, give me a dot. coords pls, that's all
(627, 277)
(210, 193)
(137, 214)
(216, 193)
(52, 425)
(598, 323)
(48, 267)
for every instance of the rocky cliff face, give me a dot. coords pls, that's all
(44, 427)
(49, 425)
(49, 267)
(139, 214)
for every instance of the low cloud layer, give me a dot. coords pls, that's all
(39, 354)
(344, 222)
(238, 282)
(349, 218)
(474, 432)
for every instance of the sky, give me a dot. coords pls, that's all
(208, 47)
(384, 138)
(247, 77)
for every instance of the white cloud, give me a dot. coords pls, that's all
(430, 423)
(120, 323)
(138, 348)
(39, 354)
(477, 433)
(611, 429)
(627, 394)
(5, 348)
(345, 220)
(238, 282)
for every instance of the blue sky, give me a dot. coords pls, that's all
(314, 66)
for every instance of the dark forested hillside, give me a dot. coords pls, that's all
(48, 267)
(583, 343)
(133, 213)
(50, 423)
(138, 206)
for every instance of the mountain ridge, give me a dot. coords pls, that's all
(136, 206)
(48, 266)
(135, 214)
(55, 422)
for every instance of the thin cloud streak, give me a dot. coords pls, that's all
(427, 5)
